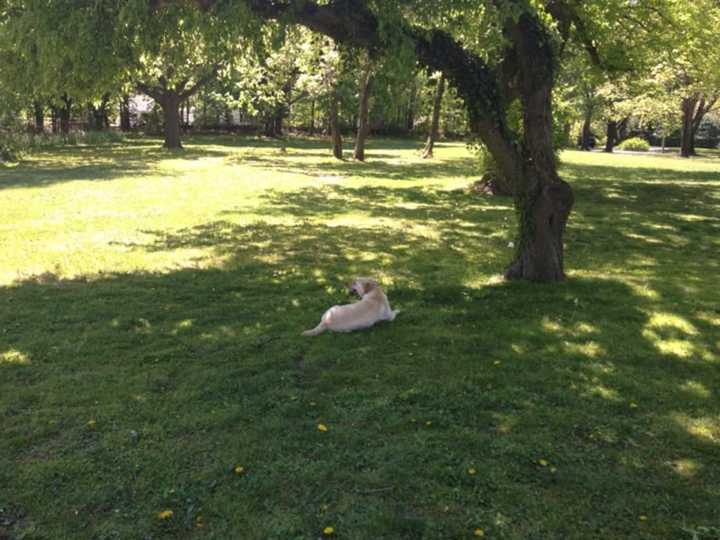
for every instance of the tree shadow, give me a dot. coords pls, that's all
(574, 373)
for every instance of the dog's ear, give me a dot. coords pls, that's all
(370, 285)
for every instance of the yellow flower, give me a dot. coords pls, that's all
(479, 533)
(543, 462)
(643, 518)
(472, 471)
(91, 424)
(428, 423)
(328, 531)
(322, 427)
(165, 514)
(239, 469)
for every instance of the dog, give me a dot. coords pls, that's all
(372, 307)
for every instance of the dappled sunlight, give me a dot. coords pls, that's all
(13, 356)
(687, 468)
(696, 389)
(705, 428)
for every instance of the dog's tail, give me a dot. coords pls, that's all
(319, 329)
(393, 314)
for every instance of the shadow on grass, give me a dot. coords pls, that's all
(208, 367)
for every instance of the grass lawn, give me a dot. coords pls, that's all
(151, 306)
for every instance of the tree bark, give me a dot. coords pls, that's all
(170, 103)
(435, 122)
(586, 136)
(335, 125)
(611, 135)
(363, 128)
(312, 118)
(688, 111)
(39, 115)
(65, 112)
(125, 113)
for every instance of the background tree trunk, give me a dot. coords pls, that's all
(435, 123)
(170, 103)
(586, 136)
(611, 135)
(363, 128)
(335, 125)
(688, 110)
(125, 113)
(65, 112)
(39, 115)
(311, 129)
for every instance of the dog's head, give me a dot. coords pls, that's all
(362, 286)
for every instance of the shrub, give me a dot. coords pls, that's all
(636, 144)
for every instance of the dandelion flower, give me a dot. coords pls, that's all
(479, 533)
(643, 518)
(328, 531)
(322, 427)
(165, 514)
(543, 462)
(239, 469)
(91, 424)
(472, 471)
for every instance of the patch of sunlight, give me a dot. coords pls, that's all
(691, 217)
(674, 347)
(13, 356)
(685, 467)
(505, 423)
(605, 392)
(590, 349)
(182, 325)
(705, 427)
(585, 328)
(710, 318)
(642, 289)
(604, 369)
(519, 349)
(551, 326)
(663, 319)
(696, 388)
(647, 239)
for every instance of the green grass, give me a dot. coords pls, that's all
(151, 306)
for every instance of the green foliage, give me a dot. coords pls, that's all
(635, 144)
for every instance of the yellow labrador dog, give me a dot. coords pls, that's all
(372, 307)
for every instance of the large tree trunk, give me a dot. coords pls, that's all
(170, 103)
(335, 125)
(611, 135)
(543, 200)
(125, 113)
(435, 122)
(39, 115)
(363, 128)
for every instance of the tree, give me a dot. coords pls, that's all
(435, 121)
(363, 127)
(522, 37)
